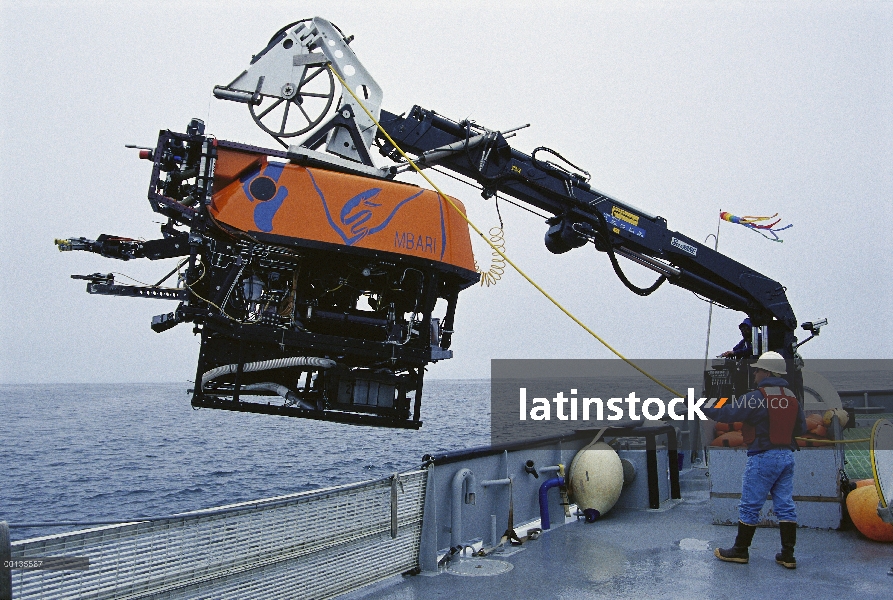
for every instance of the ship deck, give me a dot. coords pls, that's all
(664, 553)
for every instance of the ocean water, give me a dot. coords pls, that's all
(108, 452)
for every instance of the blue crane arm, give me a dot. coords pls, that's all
(580, 214)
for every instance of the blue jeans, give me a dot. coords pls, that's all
(768, 472)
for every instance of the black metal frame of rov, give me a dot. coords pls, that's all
(337, 333)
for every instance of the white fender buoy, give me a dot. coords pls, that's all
(596, 478)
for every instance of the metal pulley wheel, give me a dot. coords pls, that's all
(299, 107)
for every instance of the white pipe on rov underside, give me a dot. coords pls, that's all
(290, 397)
(463, 478)
(265, 365)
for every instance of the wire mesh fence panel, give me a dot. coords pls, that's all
(310, 545)
(858, 459)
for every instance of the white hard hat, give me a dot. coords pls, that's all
(772, 362)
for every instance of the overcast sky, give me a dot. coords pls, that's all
(681, 109)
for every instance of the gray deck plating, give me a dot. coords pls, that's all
(665, 554)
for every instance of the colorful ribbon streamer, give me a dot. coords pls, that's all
(751, 222)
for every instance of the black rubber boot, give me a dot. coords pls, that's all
(738, 552)
(788, 532)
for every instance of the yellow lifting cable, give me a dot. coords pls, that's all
(820, 441)
(496, 250)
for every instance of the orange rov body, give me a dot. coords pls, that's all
(255, 194)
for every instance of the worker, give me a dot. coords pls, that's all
(772, 416)
(744, 348)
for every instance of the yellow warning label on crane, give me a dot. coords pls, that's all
(624, 215)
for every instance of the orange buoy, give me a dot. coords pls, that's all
(733, 439)
(819, 430)
(862, 505)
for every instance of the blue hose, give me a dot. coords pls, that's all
(544, 499)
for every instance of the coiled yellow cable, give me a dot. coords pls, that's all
(493, 246)
(497, 263)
